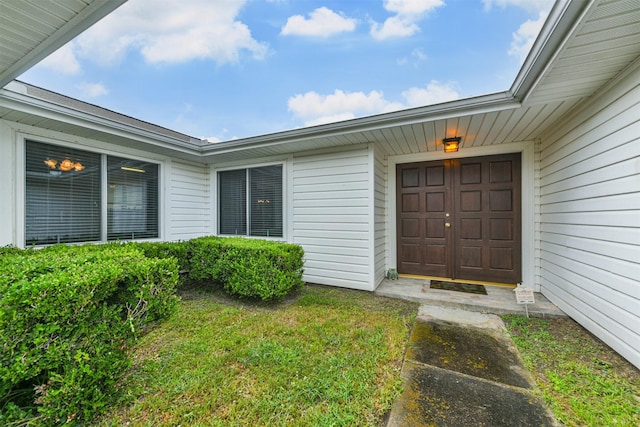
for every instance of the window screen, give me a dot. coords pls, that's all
(250, 201)
(62, 196)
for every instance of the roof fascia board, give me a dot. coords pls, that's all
(482, 104)
(16, 98)
(42, 108)
(91, 14)
(562, 21)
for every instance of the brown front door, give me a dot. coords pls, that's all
(460, 218)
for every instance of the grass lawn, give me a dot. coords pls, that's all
(328, 357)
(583, 381)
(332, 357)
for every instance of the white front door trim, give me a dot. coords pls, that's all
(528, 198)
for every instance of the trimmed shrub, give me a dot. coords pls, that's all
(204, 256)
(67, 318)
(69, 314)
(164, 250)
(9, 250)
(248, 268)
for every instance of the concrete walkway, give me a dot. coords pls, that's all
(461, 367)
(497, 301)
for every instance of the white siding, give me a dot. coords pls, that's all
(590, 216)
(331, 217)
(7, 177)
(380, 214)
(189, 201)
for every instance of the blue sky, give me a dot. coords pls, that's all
(226, 69)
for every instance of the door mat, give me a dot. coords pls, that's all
(458, 287)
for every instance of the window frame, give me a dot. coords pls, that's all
(21, 186)
(247, 168)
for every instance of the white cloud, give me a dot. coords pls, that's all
(412, 7)
(314, 108)
(93, 89)
(404, 22)
(433, 93)
(396, 26)
(322, 22)
(222, 136)
(417, 56)
(523, 39)
(166, 31)
(533, 6)
(525, 36)
(63, 61)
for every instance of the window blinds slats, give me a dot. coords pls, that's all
(63, 196)
(233, 202)
(266, 201)
(132, 199)
(257, 189)
(61, 205)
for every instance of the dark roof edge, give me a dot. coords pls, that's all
(492, 102)
(24, 92)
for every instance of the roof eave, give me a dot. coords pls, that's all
(561, 22)
(487, 103)
(95, 11)
(28, 104)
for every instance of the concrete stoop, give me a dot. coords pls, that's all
(499, 300)
(462, 369)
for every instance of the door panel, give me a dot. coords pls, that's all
(422, 200)
(460, 218)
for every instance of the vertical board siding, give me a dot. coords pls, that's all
(190, 201)
(590, 216)
(331, 217)
(380, 215)
(7, 173)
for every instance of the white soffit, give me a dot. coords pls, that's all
(583, 46)
(30, 30)
(601, 39)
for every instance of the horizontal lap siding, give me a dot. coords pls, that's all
(590, 217)
(331, 217)
(190, 203)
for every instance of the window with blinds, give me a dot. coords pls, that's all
(64, 196)
(132, 199)
(233, 202)
(250, 201)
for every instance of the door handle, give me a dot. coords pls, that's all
(447, 224)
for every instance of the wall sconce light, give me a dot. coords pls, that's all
(451, 145)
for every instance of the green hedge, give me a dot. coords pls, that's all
(247, 268)
(69, 314)
(67, 318)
